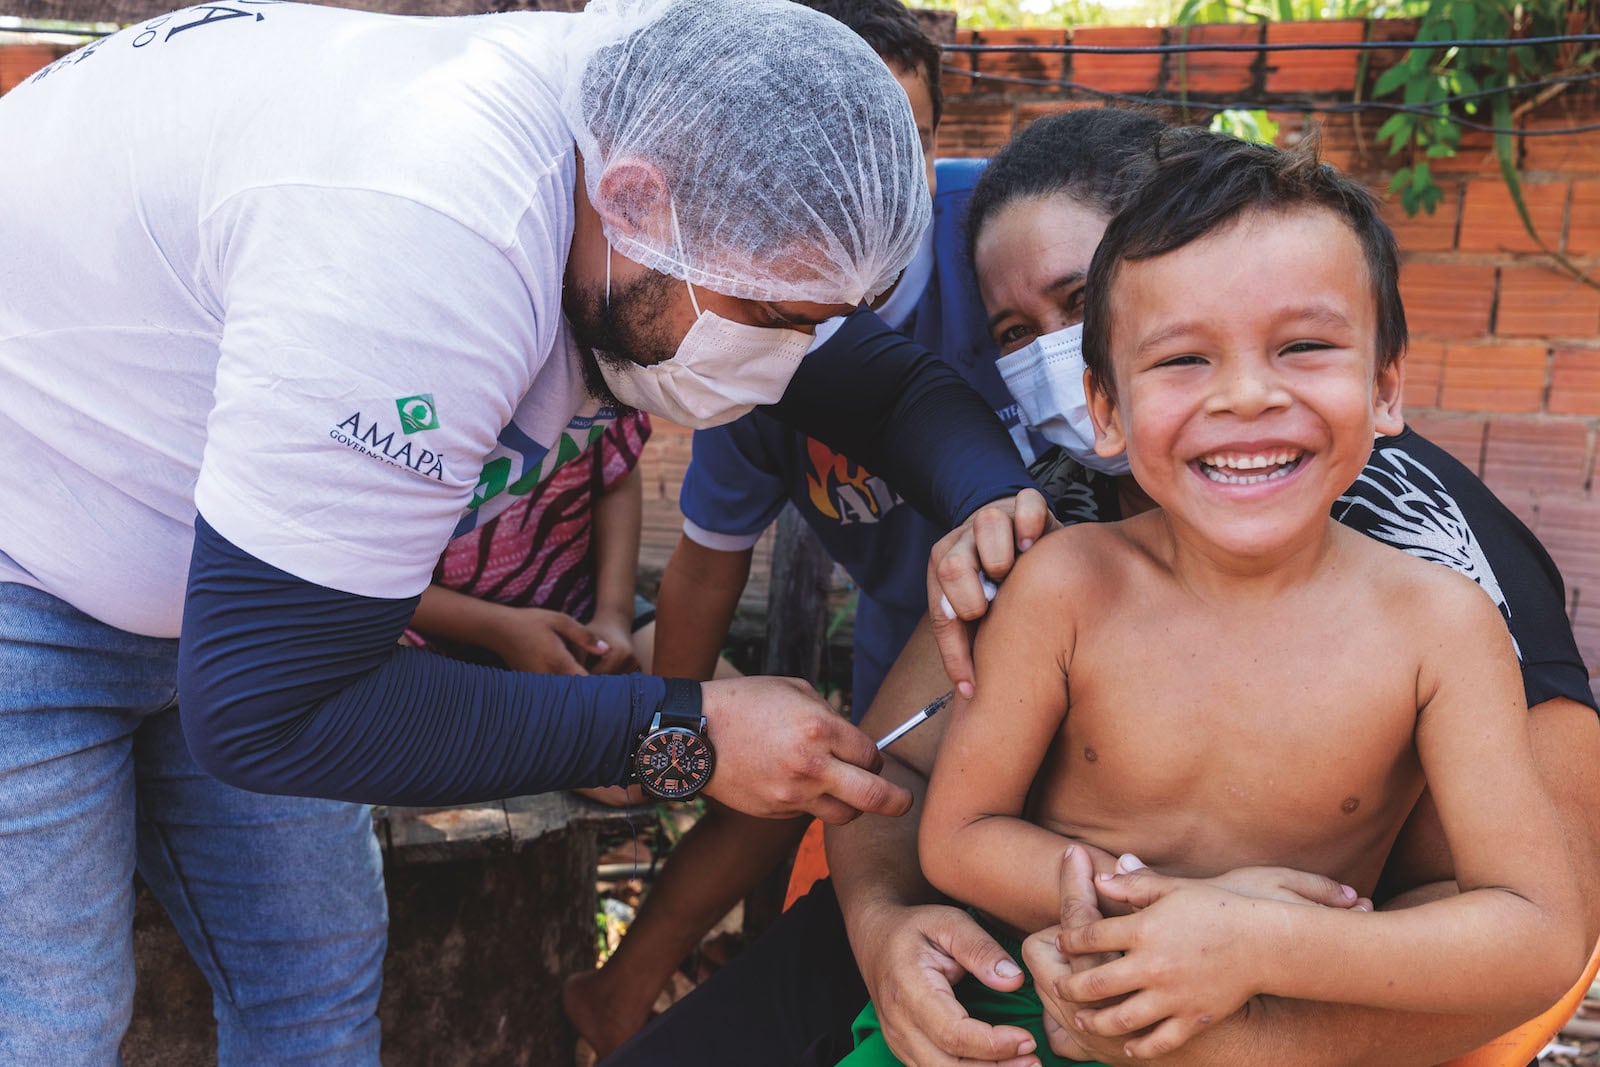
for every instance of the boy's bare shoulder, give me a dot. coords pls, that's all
(1084, 554)
(1423, 593)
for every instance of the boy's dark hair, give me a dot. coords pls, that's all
(1097, 156)
(892, 31)
(1202, 181)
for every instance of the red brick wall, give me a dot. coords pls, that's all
(1504, 368)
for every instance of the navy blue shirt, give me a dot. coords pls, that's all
(741, 475)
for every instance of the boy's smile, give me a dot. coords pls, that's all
(1247, 393)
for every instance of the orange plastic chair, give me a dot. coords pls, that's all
(810, 865)
(1521, 1045)
(1514, 1049)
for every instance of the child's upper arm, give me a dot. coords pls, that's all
(996, 742)
(1472, 738)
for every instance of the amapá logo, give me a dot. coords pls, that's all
(417, 413)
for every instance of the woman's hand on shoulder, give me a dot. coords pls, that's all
(986, 545)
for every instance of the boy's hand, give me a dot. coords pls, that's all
(783, 751)
(986, 544)
(1268, 883)
(918, 955)
(1187, 959)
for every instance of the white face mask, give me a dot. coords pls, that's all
(721, 370)
(1045, 377)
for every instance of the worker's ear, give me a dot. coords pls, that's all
(634, 201)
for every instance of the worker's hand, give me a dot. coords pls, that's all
(911, 962)
(545, 642)
(986, 544)
(782, 751)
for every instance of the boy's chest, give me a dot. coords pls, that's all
(1292, 724)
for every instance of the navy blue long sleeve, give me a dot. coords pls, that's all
(289, 687)
(895, 408)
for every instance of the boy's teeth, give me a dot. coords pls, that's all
(1233, 469)
(1251, 462)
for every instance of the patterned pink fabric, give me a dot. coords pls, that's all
(539, 552)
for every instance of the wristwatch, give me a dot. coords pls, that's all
(674, 758)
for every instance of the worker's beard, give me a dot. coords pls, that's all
(626, 329)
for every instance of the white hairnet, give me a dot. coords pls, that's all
(788, 149)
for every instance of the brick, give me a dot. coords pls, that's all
(1338, 143)
(1424, 232)
(975, 126)
(1214, 72)
(1030, 68)
(1474, 157)
(1541, 302)
(1424, 366)
(1583, 219)
(1447, 299)
(1577, 151)
(1461, 436)
(1575, 383)
(1586, 628)
(1381, 59)
(1569, 528)
(1490, 223)
(958, 67)
(1134, 73)
(1544, 455)
(19, 62)
(1500, 378)
(1313, 72)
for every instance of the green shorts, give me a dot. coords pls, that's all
(1021, 1008)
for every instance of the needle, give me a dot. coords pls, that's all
(921, 716)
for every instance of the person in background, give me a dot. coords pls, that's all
(739, 478)
(547, 586)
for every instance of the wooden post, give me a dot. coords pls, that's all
(797, 600)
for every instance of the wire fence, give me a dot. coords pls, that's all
(1436, 109)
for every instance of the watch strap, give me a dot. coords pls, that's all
(681, 706)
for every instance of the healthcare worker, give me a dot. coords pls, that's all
(288, 295)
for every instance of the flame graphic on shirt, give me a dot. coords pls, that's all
(829, 471)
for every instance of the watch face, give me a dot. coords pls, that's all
(673, 762)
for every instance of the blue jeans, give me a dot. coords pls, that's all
(279, 899)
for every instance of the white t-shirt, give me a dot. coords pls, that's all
(297, 266)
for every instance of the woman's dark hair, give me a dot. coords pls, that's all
(1203, 181)
(1098, 156)
(892, 31)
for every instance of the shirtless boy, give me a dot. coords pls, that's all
(1235, 679)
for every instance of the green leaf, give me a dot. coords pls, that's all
(1398, 127)
(1391, 79)
(1401, 178)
